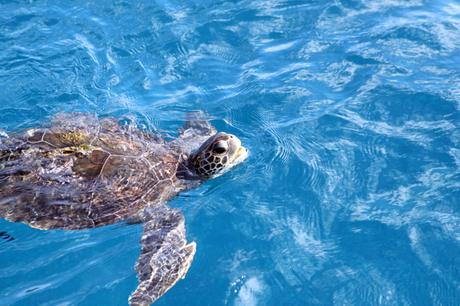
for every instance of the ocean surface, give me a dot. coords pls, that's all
(350, 110)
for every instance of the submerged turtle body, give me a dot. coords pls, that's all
(85, 172)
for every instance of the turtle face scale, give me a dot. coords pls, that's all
(217, 155)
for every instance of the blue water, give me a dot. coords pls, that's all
(350, 110)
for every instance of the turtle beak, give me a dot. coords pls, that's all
(240, 155)
(242, 151)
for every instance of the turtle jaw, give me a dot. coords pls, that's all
(240, 156)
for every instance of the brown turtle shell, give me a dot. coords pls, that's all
(83, 172)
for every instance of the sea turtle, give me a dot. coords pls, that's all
(83, 171)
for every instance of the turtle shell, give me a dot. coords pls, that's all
(83, 172)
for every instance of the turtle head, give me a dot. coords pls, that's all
(217, 155)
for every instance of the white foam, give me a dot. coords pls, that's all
(280, 47)
(250, 292)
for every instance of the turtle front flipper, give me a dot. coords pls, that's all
(196, 130)
(197, 124)
(165, 255)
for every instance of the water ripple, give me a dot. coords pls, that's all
(350, 110)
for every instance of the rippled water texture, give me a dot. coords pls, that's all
(350, 109)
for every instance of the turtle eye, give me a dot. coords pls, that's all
(220, 147)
